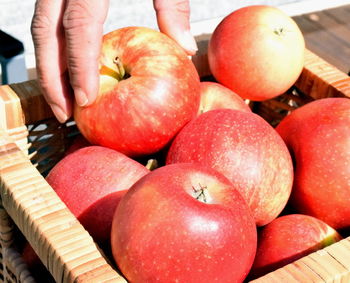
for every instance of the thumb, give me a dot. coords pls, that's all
(83, 24)
(173, 17)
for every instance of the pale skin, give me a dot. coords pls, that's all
(67, 36)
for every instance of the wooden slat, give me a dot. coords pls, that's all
(200, 60)
(12, 117)
(31, 97)
(10, 106)
(320, 79)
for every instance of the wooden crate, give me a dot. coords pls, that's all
(32, 141)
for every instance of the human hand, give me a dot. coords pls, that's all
(67, 36)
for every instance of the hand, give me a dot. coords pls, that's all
(67, 37)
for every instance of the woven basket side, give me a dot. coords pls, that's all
(41, 216)
(15, 269)
(6, 228)
(33, 205)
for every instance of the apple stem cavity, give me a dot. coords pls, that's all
(279, 31)
(201, 194)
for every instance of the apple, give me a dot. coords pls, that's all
(91, 181)
(318, 136)
(244, 148)
(34, 265)
(149, 89)
(183, 223)
(30, 257)
(288, 238)
(257, 51)
(215, 96)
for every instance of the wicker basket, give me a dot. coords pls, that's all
(32, 141)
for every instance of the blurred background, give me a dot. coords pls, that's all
(15, 16)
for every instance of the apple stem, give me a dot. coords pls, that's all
(201, 193)
(279, 31)
(120, 68)
(152, 164)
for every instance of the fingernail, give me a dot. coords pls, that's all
(81, 97)
(60, 114)
(188, 42)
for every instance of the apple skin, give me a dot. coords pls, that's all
(257, 51)
(215, 96)
(35, 266)
(318, 136)
(91, 182)
(138, 114)
(30, 257)
(161, 232)
(244, 148)
(288, 238)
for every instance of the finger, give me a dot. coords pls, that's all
(173, 17)
(83, 23)
(47, 34)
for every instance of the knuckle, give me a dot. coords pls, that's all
(40, 25)
(179, 6)
(74, 67)
(78, 14)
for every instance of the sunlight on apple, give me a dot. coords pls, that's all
(200, 224)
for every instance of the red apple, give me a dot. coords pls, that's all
(91, 181)
(30, 257)
(183, 223)
(215, 96)
(149, 89)
(257, 51)
(35, 266)
(247, 150)
(288, 238)
(318, 136)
